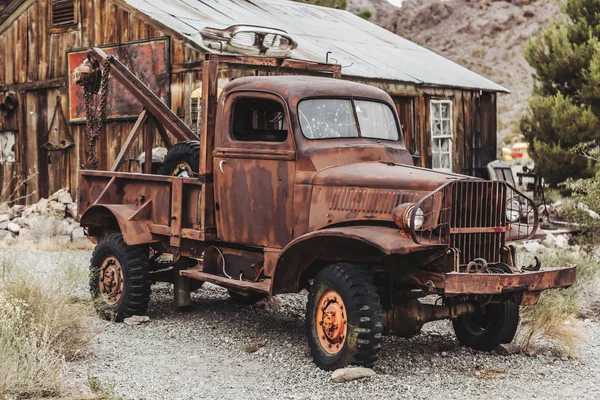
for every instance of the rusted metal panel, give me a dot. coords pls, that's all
(460, 283)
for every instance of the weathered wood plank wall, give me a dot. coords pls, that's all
(34, 52)
(34, 66)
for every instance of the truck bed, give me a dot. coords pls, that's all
(147, 207)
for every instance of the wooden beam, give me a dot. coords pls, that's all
(155, 106)
(148, 142)
(13, 11)
(36, 85)
(130, 139)
(163, 134)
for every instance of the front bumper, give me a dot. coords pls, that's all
(473, 283)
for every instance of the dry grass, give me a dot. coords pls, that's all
(43, 324)
(552, 322)
(52, 244)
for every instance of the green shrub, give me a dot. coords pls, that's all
(584, 210)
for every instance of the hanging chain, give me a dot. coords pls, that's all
(96, 113)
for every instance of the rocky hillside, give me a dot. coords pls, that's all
(485, 36)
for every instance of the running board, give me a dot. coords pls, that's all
(261, 287)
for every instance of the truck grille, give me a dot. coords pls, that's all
(471, 216)
(477, 208)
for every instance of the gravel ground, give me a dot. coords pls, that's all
(201, 353)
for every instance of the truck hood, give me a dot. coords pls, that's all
(383, 175)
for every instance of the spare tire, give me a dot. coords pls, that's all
(183, 159)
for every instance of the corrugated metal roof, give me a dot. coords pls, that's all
(362, 48)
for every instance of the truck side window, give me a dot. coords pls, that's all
(258, 120)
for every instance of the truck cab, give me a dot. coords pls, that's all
(304, 182)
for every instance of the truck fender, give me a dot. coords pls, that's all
(118, 216)
(350, 244)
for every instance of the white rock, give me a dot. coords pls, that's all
(351, 373)
(20, 221)
(14, 228)
(562, 241)
(57, 207)
(65, 198)
(41, 206)
(27, 234)
(63, 239)
(4, 217)
(5, 235)
(66, 228)
(72, 209)
(9, 240)
(4, 225)
(77, 234)
(533, 246)
(136, 320)
(549, 241)
(269, 303)
(508, 349)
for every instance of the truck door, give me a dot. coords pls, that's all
(254, 170)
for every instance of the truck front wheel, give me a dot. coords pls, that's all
(343, 318)
(119, 278)
(489, 326)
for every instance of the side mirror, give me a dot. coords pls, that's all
(416, 156)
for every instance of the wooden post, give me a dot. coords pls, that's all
(148, 144)
(163, 134)
(209, 114)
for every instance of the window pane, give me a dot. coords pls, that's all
(435, 110)
(435, 161)
(445, 161)
(327, 118)
(445, 145)
(446, 128)
(376, 120)
(436, 128)
(258, 120)
(445, 107)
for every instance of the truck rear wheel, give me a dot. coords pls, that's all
(343, 318)
(488, 327)
(183, 159)
(119, 278)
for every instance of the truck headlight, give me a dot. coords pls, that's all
(402, 216)
(513, 210)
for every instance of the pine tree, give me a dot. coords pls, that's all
(565, 107)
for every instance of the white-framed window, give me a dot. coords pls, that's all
(441, 135)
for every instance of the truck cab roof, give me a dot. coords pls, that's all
(295, 88)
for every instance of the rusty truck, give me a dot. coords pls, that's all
(301, 182)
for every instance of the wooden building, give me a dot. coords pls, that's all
(448, 113)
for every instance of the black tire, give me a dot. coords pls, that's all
(248, 298)
(486, 329)
(183, 154)
(363, 314)
(133, 262)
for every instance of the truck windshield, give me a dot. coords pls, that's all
(336, 118)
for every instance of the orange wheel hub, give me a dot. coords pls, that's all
(111, 280)
(332, 324)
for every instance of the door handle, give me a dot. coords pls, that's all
(221, 166)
